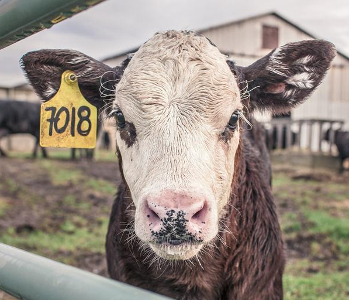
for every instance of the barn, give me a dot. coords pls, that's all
(247, 40)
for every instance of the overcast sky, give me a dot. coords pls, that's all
(115, 26)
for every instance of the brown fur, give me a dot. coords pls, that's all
(249, 266)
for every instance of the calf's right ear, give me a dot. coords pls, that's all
(285, 77)
(44, 69)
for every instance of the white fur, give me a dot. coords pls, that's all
(49, 92)
(288, 94)
(78, 59)
(301, 80)
(275, 63)
(304, 60)
(180, 100)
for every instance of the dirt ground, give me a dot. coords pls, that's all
(56, 196)
(60, 209)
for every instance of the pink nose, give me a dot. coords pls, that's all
(175, 217)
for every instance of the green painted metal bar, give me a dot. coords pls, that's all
(22, 18)
(28, 276)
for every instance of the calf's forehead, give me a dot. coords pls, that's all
(182, 70)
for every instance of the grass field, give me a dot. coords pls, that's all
(60, 209)
(314, 211)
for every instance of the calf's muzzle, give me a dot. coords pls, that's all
(177, 217)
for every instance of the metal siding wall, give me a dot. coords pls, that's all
(239, 38)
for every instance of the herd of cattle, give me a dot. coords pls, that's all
(24, 117)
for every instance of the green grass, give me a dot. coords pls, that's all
(314, 213)
(322, 222)
(314, 218)
(337, 229)
(101, 186)
(70, 238)
(104, 155)
(60, 175)
(3, 207)
(290, 223)
(71, 201)
(65, 154)
(320, 286)
(9, 185)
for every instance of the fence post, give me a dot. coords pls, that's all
(310, 131)
(320, 135)
(299, 138)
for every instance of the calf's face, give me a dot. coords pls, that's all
(178, 140)
(177, 105)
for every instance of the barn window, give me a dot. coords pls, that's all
(270, 38)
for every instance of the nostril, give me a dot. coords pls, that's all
(199, 218)
(151, 215)
(200, 213)
(197, 215)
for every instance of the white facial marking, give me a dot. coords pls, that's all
(180, 100)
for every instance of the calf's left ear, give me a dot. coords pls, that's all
(286, 76)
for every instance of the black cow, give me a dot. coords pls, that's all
(20, 117)
(341, 140)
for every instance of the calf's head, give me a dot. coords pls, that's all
(178, 105)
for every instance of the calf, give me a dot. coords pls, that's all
(20, 117)
(194, 216)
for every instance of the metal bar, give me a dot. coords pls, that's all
(32, 277)
(310, 132)
(279, 136)
(22, 18)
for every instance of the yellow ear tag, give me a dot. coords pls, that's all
(68, 119)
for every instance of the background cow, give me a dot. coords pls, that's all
(20, 117)
(194, 217)
(341, 140)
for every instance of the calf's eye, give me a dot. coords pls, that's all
(234, 119)
(120, 118)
